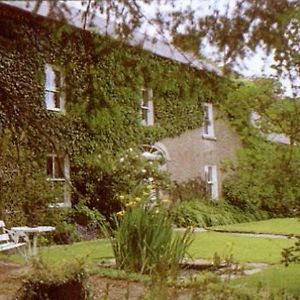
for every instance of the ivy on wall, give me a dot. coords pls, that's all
(103, 82)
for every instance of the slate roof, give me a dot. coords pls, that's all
(158, 47)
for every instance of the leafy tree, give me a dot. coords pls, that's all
(237, 29)
(266, 172)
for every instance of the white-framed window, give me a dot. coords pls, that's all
(147, 107)
(159, 154)
(54, 88)
(58, 175)
(211, 181)
(208, 121)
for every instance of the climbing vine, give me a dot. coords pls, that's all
(103, 80)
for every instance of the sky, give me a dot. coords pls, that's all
(256, 65)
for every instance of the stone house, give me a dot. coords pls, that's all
(194, 152)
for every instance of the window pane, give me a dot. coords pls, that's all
(205, 127)
(49, 84)
(144, 98)
(57, 80)
(57, 100)
(50, 166)
(208, 120)
(209, 174)
(145, 115)
(210, 189)
(59, 168)
(49, 99)
(206, 112)
(147, 107)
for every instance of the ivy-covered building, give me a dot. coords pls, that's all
(79, 100)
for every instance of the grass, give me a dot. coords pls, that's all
(243, 248)
(288, 226)
(91, 251)
(275, 278)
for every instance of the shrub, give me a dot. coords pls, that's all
(144, 241)
(205, 213)
(126, 174)
(273, 188)
(65, 233)
(291, 254)
(193, 188)
(25, 194)
(55, 283)
(65, 228)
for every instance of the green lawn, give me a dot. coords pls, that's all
(92, 252)
(279, 226)
(275, 278)
(243, 248)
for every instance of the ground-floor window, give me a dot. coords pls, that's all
(211, 181)
(158, 153)
(58, 175)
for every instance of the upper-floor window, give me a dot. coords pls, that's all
(211, 181)
(208, 121)
(54, 88)
(147, 108)
(55, 167)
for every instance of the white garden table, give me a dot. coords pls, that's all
(33, 232)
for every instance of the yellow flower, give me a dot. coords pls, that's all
(121, 197)
(166, 201)
(131, 203)
(137, 199)
(120, 213)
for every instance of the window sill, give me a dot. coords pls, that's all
(59, 205)
(146, 124)
(56, 179)
(55, 110)
(209, 137)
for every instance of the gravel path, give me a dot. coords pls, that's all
(250, 234)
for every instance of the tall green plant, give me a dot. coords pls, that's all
(144, 241)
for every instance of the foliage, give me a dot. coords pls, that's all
(104, 78)
(65, 233)
(69, 281)
(205, 213)
(274, 187)
(102, 121)
(25, 194)
(194, 188)
(143, 241)
(237, 30)
(128, 176)
(291, 254)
